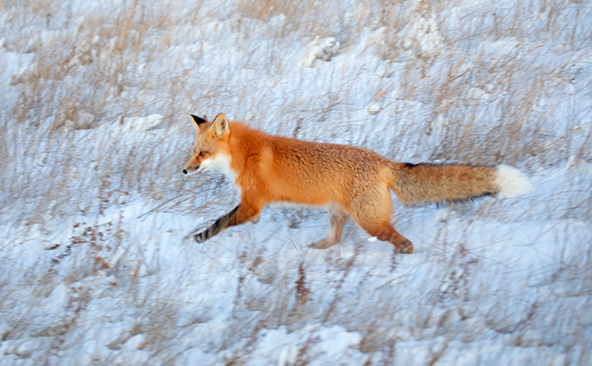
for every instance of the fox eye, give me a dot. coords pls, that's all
(202, 153)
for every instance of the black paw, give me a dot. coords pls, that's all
(200, 238)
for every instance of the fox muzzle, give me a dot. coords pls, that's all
(189, 171)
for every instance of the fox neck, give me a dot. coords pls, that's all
(222, 163)
(243, 142)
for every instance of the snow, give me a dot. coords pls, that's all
(142, 123)
(97, 260)
(321, 49)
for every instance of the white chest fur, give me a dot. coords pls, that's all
(221, 163)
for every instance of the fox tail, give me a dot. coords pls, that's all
(432, 183)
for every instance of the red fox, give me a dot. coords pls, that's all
(350, 181)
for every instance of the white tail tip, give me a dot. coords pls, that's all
(511, 182)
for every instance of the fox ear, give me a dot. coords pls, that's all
(198, 120)
(220, 126)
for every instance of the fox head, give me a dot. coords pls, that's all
(210, 150)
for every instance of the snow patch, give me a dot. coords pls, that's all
(142, 123)
(323, 49)
(423, 36)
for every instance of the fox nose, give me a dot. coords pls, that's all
(185, 171)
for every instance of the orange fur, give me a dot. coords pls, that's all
(351, 181)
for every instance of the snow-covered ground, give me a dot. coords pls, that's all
(95, 215)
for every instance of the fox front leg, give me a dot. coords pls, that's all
(239, 215)
(220, 224)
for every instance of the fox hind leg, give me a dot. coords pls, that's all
(386, 232)
(337, 218)
(373, 213)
